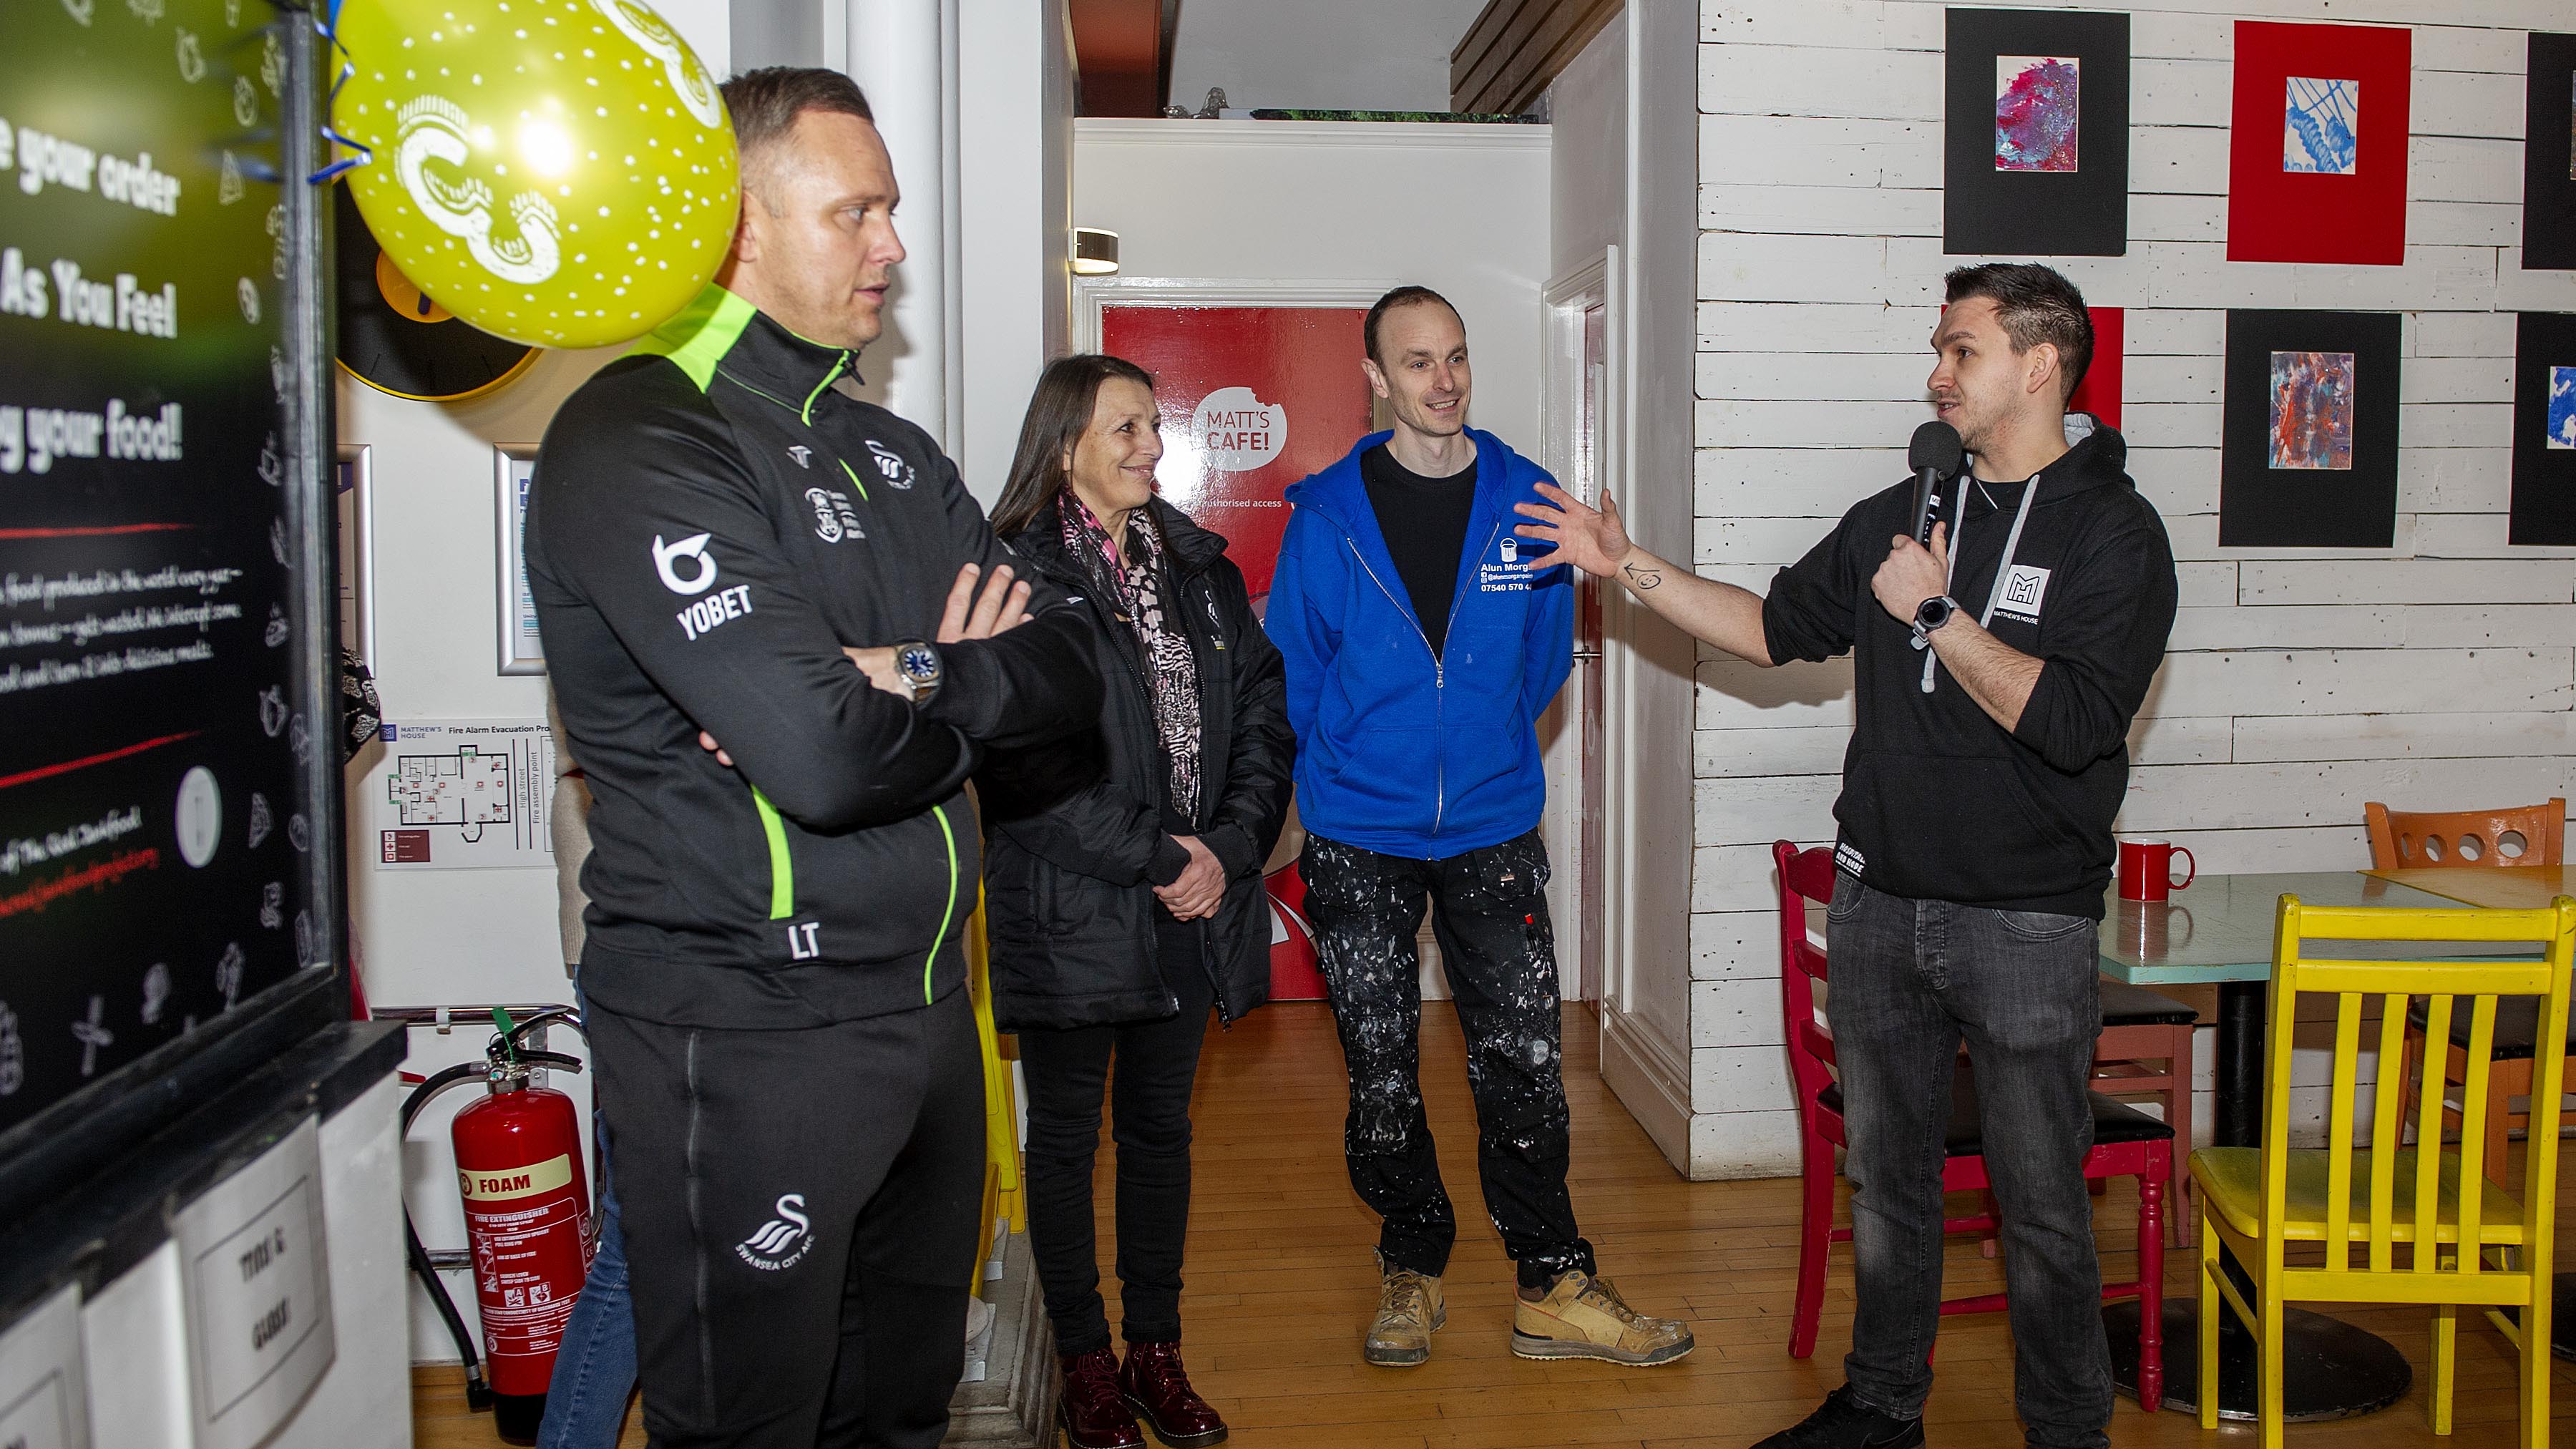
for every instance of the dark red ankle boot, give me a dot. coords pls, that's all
(1095, 1415)
(1158, 1388)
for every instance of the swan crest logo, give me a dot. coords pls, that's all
(433, 128)
(688, 79)
(780, 1242)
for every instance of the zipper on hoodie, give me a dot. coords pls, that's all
(1439, 685)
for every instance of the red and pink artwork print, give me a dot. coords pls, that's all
(2035, 112)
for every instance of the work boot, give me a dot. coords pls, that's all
(1408, 1311)
(1095, 1414)
(1158, 1389)
(1583, 1317)
(1845, 1423)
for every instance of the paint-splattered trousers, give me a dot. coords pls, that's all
(1489, 915)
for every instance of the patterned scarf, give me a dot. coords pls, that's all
(1137, 585)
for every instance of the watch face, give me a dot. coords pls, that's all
(1932, 613)
(918, 663)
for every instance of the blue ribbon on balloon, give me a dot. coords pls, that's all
(326, 23)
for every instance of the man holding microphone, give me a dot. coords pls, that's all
(1997, 673)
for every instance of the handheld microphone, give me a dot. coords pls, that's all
(1935, 455)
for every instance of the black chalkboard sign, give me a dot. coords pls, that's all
(169, 833)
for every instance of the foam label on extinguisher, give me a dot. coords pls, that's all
(488, 1186)
(529, 1228)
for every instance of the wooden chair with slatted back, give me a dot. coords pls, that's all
(2475, 840)
(2468, 1241)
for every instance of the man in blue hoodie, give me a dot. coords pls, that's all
(1420, 648)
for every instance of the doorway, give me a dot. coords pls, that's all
(1579, 452)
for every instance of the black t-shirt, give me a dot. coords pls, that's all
(1425, 523)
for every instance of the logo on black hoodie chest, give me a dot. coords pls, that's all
(2024, 589)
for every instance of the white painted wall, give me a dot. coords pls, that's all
(1621, 195)
(1456, 208)
(472, 936)
(1319, 54)
(1015, 210)
(2300, 683)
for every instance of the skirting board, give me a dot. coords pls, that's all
(1014, 1405)
(1651, 1081)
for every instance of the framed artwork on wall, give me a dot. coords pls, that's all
(513, 464)
(2317, 159)
(2310, 438)
(2548, 157)
(2098, 392)
(2544, 429)
(354, 484)
(2036, 134)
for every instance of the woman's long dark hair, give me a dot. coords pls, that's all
(1059, 411)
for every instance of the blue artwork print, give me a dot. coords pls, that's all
(2035, 112)
(2321, 126)
(2562, 407)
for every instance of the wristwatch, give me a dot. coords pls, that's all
(1931, 614)
(918, 665)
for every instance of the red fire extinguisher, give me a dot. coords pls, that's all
(527, 1222)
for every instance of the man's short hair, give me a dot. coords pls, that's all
(765, 103)
(2035, 305)
(1400, 297)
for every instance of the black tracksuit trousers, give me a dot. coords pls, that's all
(1489, 914)
(800, 1210)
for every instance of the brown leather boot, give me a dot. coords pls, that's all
(1095, 1415)
(1159, 1390)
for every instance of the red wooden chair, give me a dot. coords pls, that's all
(2126, 1143)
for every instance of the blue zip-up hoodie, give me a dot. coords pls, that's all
(1399, 752)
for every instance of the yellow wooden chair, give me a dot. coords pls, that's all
(2468, 1240)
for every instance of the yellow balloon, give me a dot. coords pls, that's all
(556, 172)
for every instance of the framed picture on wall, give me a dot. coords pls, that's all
(354, 485)
(2549, 155)
(513, 464)
(2035, 158)
(2544, 429)
(2310, 438)
(2316, 160)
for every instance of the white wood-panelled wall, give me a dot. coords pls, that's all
(2300, 683)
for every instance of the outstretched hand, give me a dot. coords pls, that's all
(1592, 539)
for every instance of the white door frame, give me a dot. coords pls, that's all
(1562, 378)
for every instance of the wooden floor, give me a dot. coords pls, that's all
(1281, 1285)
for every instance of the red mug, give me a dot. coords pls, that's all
(2146, 869)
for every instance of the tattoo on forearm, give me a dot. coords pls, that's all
(1641, 579)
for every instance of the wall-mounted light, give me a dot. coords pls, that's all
(1095, 252)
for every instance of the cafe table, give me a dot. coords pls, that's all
(2509, 888)
(2220, 930)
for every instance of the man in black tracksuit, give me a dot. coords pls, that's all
(1995, 687)
(725, 547)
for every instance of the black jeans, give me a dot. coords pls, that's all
(1489, 914)
(1157, 1061)
(800, 1210)
(1910, 980)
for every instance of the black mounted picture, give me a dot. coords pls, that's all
(2548, 158)
(2036, 134)
(2310, 457)
(2544, 429)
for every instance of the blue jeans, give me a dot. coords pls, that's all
(1910, 980)
(595, 1367)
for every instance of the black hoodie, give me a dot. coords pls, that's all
(1939, 802)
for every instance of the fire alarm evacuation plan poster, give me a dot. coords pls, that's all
(463, 795)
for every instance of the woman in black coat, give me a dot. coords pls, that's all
(1120, 914)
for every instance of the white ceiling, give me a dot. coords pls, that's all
(1379, 55)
